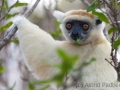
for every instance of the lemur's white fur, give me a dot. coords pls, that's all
(66, 5)
(39, 50)
(11, 55)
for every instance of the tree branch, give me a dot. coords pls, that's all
(13, 30)
(112, 13)
(32, 9)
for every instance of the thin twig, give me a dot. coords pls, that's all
(116, 57)
(108, 5)
(110, 62)
(112, 50)
(65, 83)
(7, 12)
(2, 8)
(14, 28)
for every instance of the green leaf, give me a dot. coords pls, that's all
(57, 23)
(4, 8)
(44, 83)
(117, 43)
(57, 66)
(31, 86)
(118, 3)
(112, 3)
(2, 69)
(40, 82)
(101, 16)
(118, 79)
(6, 5)
(112, 30)
(18, 4)
(78, 41)
(93, 6)
(56, 33)
(11, 15)
(15, 41)
(88, 63)
(65, 67)
(45, 87)
(6, 26)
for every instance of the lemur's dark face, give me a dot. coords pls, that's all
(79, 29)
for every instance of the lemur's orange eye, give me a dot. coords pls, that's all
(85, 26)
(68, 26)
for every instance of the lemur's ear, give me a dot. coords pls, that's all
(58, 15)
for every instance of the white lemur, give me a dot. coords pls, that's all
(11, 54)
(39, 48)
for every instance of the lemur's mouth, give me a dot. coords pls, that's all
(77, 38)
(78, 41)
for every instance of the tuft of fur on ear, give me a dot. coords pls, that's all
(58, 15)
